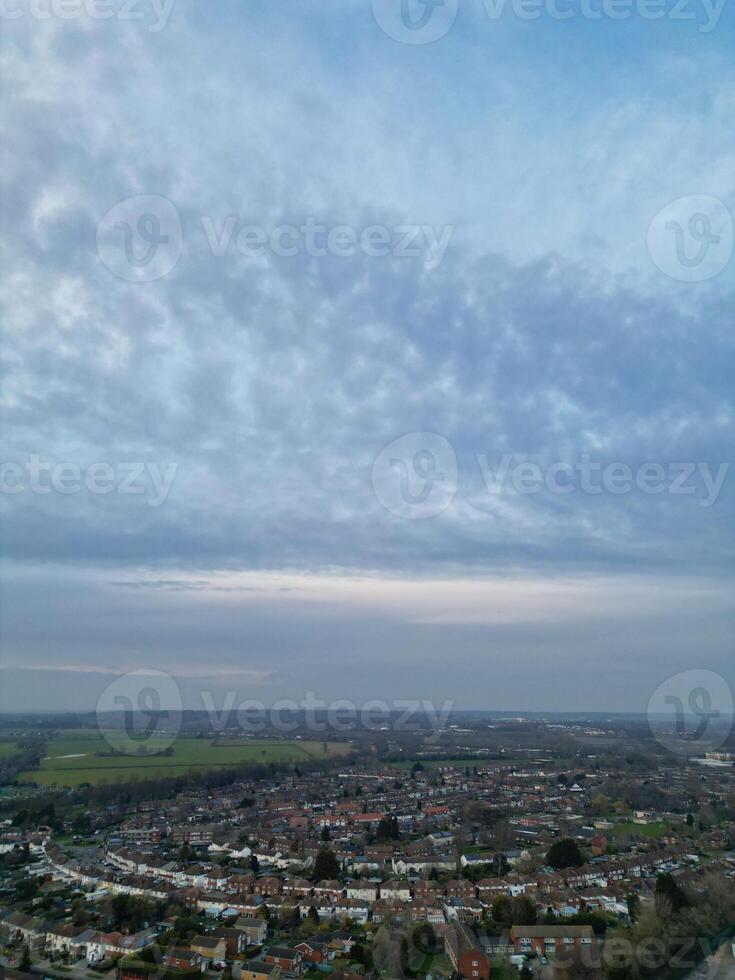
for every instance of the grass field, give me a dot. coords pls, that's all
(87, 757)
(7, 749)
(642, 830)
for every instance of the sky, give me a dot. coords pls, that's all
(367, 349)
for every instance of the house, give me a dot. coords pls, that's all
(328, 888)
(315, 950)
(255, 930)
(496, 946)
(212, 949)
(388, 910)
(289, 960)
(441, 838)
(644, 817)
(235, 940)
(365, 890)
(25, 927)
(184, 959)
(461, 888)
(104, 945)
(465, 953)
(426, 888)
(68, 939)
(352, 908)
(298, 887)
(340, 942)
(267, 885)
(217, 879)
(426, 911)
(259, 970)
(324, 908)
(550, 939)
(395, 890)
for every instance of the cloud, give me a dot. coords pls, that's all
(272, 384)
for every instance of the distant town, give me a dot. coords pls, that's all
(495, 847)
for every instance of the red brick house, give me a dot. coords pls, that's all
(315, 951)
(465, 953)
(289, 960)
(184, 959)
(550, 939)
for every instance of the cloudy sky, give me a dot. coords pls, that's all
(367, 350)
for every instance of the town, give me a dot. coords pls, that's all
(591, 854)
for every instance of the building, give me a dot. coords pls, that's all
(464, 950)
(212, 949)
(184, 959)
(550, 939)
(259, 970)
(288, 959)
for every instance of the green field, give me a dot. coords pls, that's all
(642, 830)
(7, 749)
(77, 758)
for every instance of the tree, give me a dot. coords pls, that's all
(25, 960)
(26, 889)
(565, 854)
(388, 829)
(325, 833)
(668, 888)
(517, 911)
(634, 906)
(601, 804)
(326, 864)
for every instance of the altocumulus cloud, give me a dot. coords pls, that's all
(273, 383)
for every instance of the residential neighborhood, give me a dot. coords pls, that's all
(466, 869)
